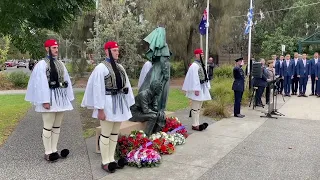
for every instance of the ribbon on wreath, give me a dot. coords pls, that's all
(176, 129)
(139, 149)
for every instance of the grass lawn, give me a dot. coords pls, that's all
(176, 101)
(12, 109)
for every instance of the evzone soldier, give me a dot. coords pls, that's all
(197, 86)
(303, 72)
(144, 71)
(314, 83)
(238, 87)
(50, 90)
(295, 80)
(110, 95)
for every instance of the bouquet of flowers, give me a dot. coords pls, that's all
(131, 142)
(167, 137)
(179, 139)
(163, 146)
(173, 124)
(143, 157)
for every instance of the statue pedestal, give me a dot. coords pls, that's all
(125, 129)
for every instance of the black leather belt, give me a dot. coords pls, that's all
(203, 81)
(116, 91)
(53, 84)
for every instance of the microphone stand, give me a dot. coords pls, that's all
(275, 110)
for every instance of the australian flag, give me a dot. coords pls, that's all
(249, 23)
(203, 23)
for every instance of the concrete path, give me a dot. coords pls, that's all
(249, 148)
(284, 148)
(200, 153)
(21, 157)
(95, 159)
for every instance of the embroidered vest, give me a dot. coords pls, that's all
(200, 71)
(110, 79)
(59, 67)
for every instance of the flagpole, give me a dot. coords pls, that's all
(249, 44)
(207, 35)
(201, 41)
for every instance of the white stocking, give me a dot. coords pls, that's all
(56, 131)
(196, 106)
(48, 120)
(106, 128)
(114, 140)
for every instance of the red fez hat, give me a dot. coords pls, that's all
(198, 51)
(111, 44)
(50, 42)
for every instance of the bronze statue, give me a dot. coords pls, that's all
(145, 108)
(159, 54)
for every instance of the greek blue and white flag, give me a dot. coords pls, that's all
(249, 23)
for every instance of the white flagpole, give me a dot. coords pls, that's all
(207, 35)
(249, 43)
(201, 41)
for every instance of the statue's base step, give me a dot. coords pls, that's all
(125, 129)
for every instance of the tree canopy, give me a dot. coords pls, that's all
(26, 21)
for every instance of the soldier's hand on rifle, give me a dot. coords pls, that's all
(317, 78)
(196, 93)
(101, 115)
(298, 76)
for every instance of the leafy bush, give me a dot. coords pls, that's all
(19, 79)
(69, 67)
(223, 71)
(217, 109)
(221, 88)
(90, 67)
(222, 95)
(133, 82)
(5, 83)
(177, 69)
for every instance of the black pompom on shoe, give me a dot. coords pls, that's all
(64, 153)
(205, 125)
(110, 167)
(201, 127)
(121, 163)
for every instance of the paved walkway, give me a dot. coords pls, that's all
(249, 148)
(21, 157)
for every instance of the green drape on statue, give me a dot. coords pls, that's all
(159, 55)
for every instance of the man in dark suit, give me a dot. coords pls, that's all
(295, 80)
(313, 63)
(261, 83)
(278, 69)
(303, 72)
(287, 72)
(317, 76)
(238, 87)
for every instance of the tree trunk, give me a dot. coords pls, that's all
(189, 49)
